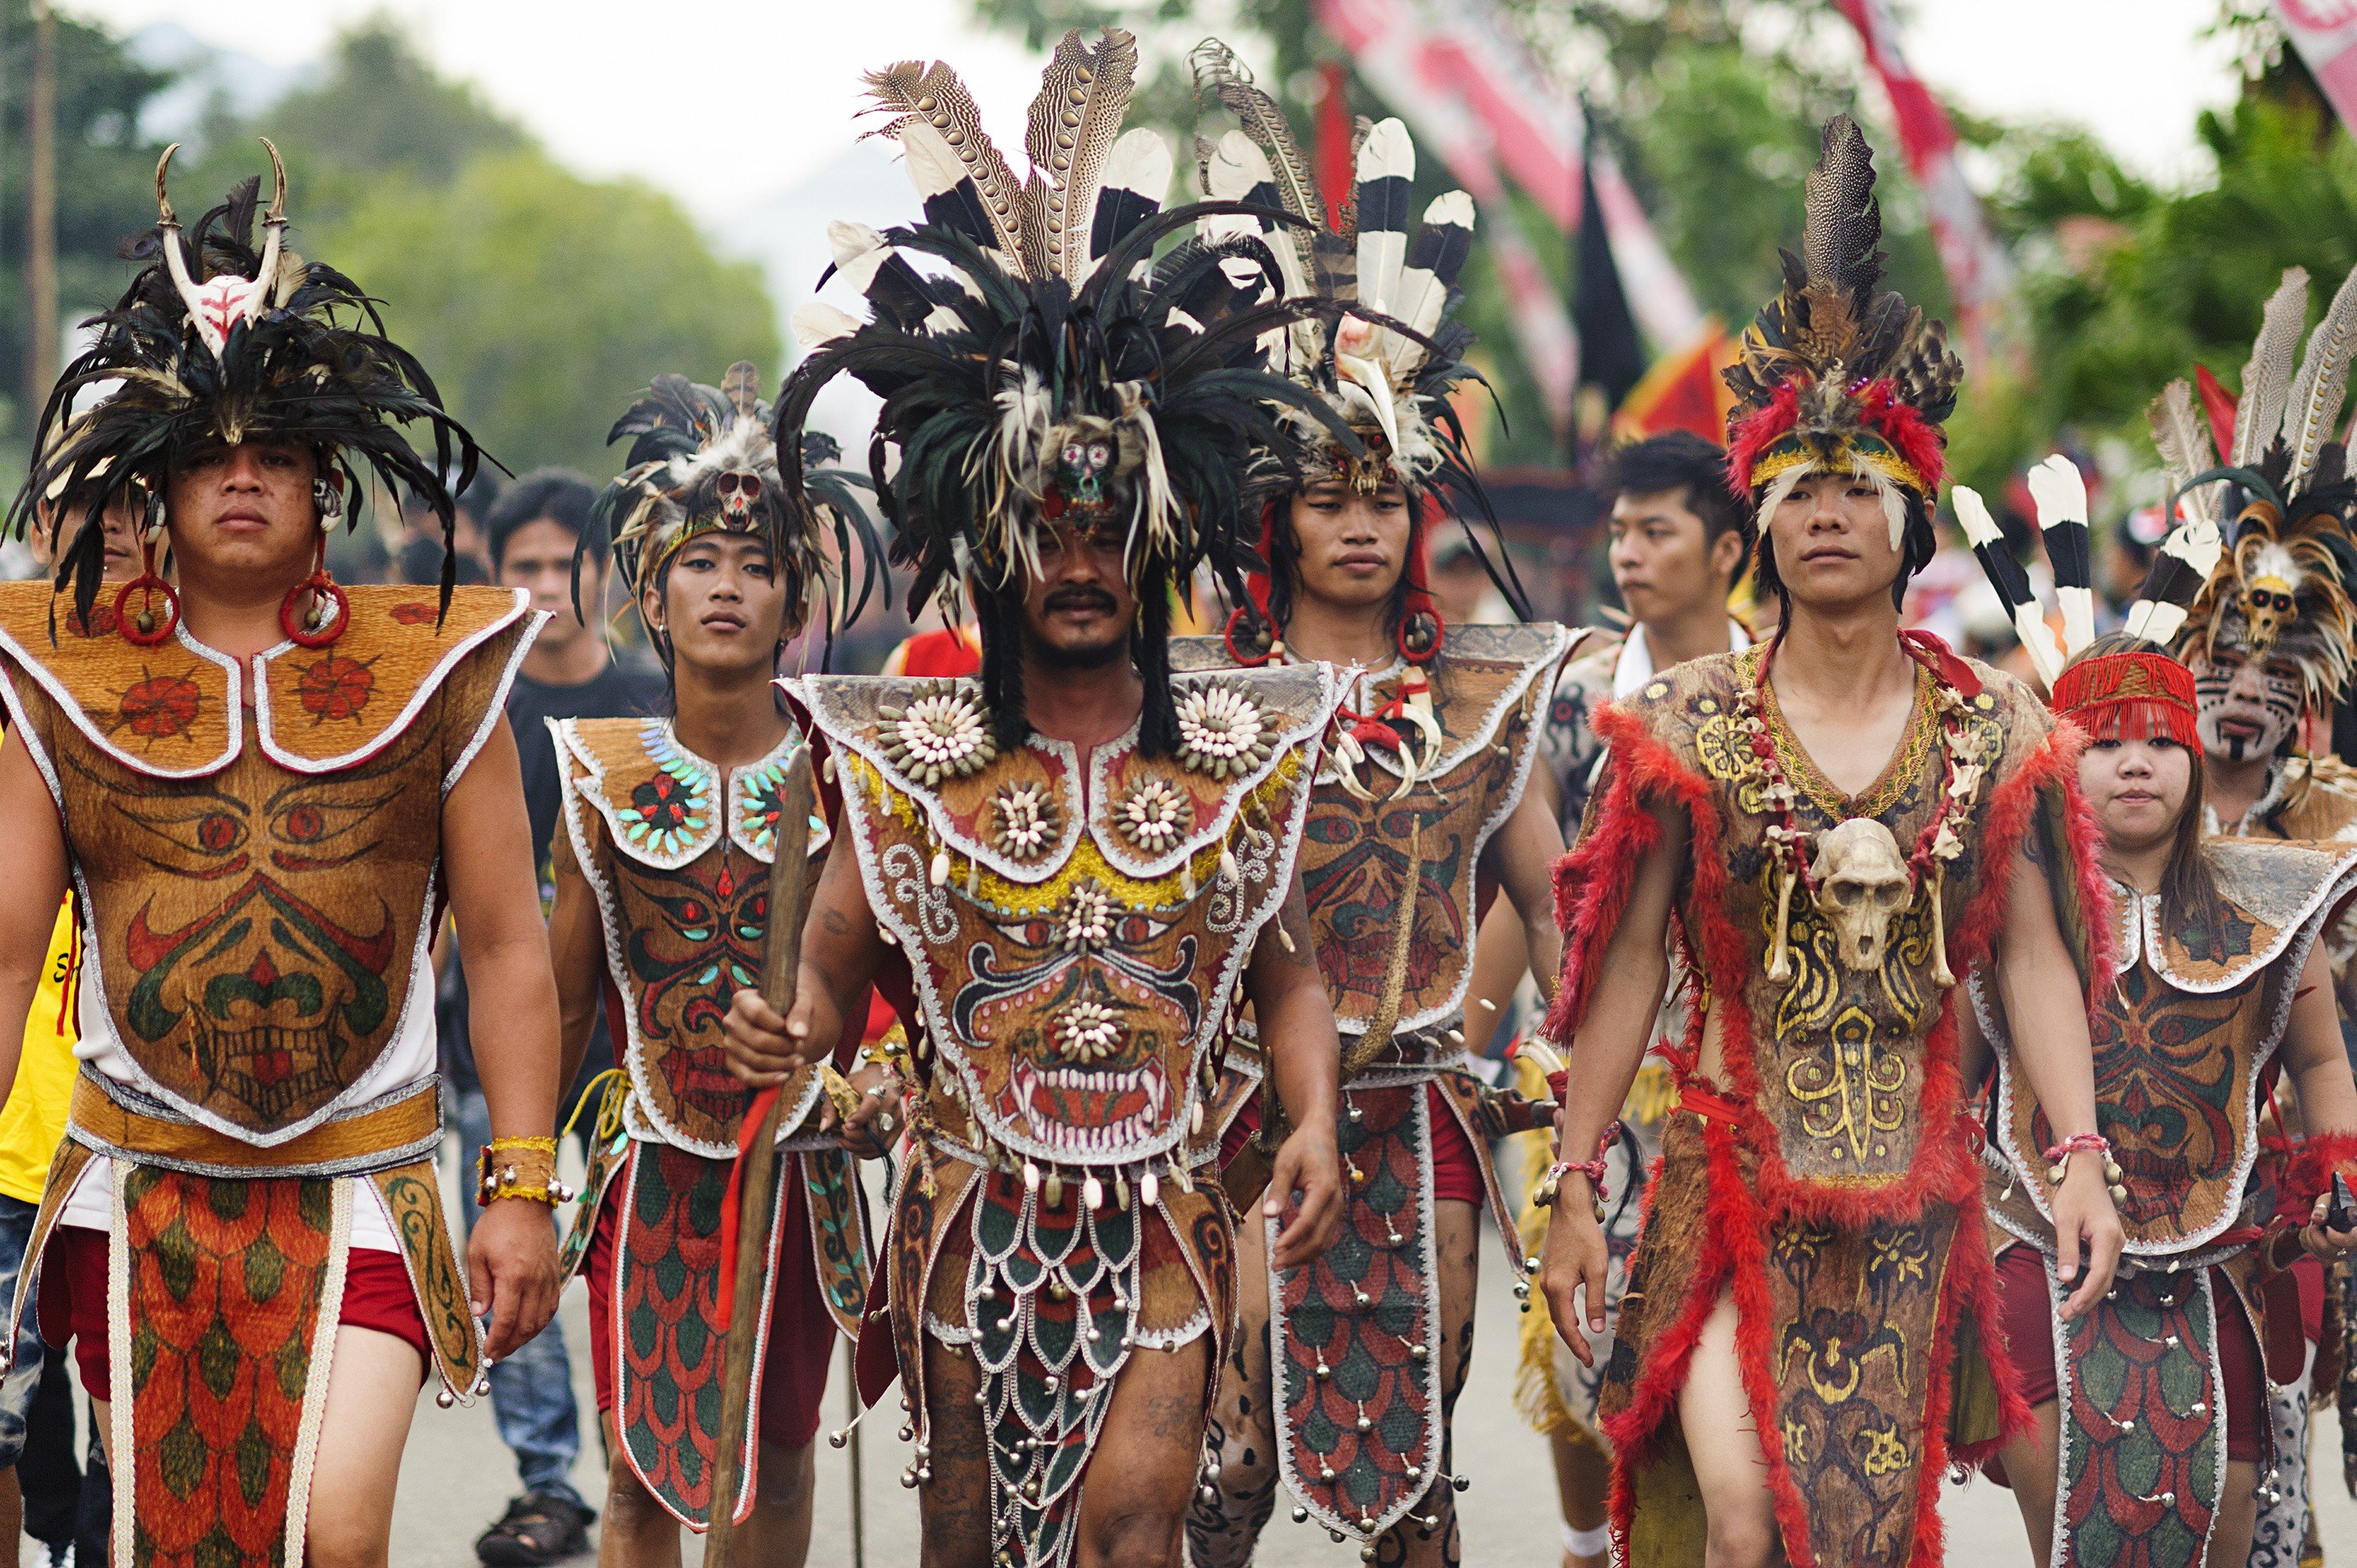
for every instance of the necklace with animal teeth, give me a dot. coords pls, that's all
(1939, 842)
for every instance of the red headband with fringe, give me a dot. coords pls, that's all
(2129, 696)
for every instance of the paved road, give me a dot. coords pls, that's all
(455, 1478)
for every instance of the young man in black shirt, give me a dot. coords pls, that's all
(571, 673)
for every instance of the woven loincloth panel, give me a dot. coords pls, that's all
(1354, 1348)
(2144, 1434)
(215, 1330)
(668, 1353)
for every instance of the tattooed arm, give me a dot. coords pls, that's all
(841, 948)
(37, 874)
(1304, 1059)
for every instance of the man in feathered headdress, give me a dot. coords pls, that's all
(263, 786)
(661, 874)
(1074, 871)
(2257, 588)
(1836, 825)
(1421, 806)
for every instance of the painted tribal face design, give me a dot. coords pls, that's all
(2248, 705)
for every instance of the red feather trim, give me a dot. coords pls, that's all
(1753, 433)
(1916, 439)
(2313, 1160)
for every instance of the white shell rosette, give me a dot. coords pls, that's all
(1153, 815)
(945, 734)
(1088, 917)
(1023, 821)
(1088, 1032)
(1222, 730)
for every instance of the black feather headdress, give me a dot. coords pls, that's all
(1837, 374)
(2262, 556)
(1381, 345)
(1049, 368)
(703, 460)
(216, 341)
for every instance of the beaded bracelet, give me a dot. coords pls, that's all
(2057, 1161)
(519, 1167)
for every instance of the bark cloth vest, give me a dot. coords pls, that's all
(679, 859)
(1075, 934)
(1374, 1299)
(1830, 1183)
(2183, 1042)
(259, 886)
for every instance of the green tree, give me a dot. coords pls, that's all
(538, 300)
(541, 301)
(103, 183)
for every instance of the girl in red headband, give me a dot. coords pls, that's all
(2150, 1410)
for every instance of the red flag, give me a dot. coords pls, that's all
(1682, 391)
(1968, 253)
(1337, 169)
(2325, 33)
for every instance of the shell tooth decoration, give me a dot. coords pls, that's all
(942, 734)
(1024, 821)
(1088, 1032)
(1154, 815)
(1230, 871)
(1088, 918)
(1222, 731)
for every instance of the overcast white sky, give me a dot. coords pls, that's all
(724, 101)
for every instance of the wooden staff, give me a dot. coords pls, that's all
(780, 961)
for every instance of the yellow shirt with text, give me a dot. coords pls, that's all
(33, 1122)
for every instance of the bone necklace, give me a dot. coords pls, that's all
(1939, 842)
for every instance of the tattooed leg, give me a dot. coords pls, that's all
(1142, 1473)
(1221, 1534)
(1413, 1543)
(953, 1507)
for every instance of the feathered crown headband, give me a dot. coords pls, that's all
(703, 460)
(1058, 373)
(1388, 350)
(1382, 345)
(2261, 556)
(216, 341)
(1837, 373)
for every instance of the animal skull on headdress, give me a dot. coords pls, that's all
(2270, 594)
(218, 303)
(1862, 883)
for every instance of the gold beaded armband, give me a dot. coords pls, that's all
(519, 1167)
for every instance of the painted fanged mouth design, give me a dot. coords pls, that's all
(1087, 1114)
(275, 1071)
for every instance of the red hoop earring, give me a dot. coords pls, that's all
(318, 628)
(1256, 633)
(144, 627)
(1419, 636)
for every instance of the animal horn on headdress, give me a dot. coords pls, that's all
(176, 257)
(273, 225)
